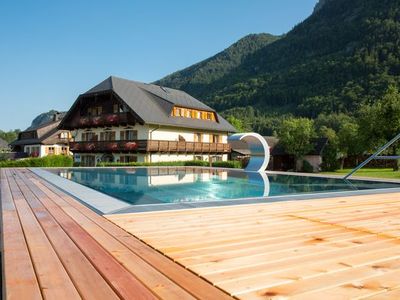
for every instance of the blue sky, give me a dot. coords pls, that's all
(52, 51)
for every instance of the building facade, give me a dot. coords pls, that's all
(44, 139)
(121, 120)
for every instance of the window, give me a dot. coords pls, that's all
(128, 135)
(95, 111)
(27, 135)
(128, 158)
(88, 161)
(107, 136)
(64, 135)
(33, 151)
(193, 113)
(50, 150)
(64, 150)
(88, 136)
(115, 108)
(215, 138)
(198, 137)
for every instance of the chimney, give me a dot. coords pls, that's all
(56, 116)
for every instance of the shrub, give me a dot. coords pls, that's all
(47, 161)
(234, 164)
(197, 163)
(307, 167)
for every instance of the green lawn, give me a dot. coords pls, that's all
(366, 172)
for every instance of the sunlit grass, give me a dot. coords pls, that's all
(369, 172)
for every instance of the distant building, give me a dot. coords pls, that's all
(120, 120)
(44, 139)
(282, 161)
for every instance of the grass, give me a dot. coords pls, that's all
(369, 172)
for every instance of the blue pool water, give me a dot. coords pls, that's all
(144, 186)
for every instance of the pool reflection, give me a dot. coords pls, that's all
(193, 184)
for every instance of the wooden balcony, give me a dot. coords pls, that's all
(148, 146)
(119, 119)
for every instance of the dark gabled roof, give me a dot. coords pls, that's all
(153, 104)
(3, 144)
(46, 133)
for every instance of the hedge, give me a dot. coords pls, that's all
(47, 161)
(191, 163)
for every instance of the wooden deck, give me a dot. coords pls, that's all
(53, 247)
(339, 248)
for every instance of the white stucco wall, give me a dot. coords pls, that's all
(43, 148)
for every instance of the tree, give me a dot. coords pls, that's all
(380, 122)
(331, 150)
(9, 136)
(237, 123)
(295, 134)
(348, 141)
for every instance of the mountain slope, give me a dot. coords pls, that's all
(346, 53)
(217, 66)
(45, 118)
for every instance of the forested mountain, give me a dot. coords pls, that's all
(206, 72)
(345, 55)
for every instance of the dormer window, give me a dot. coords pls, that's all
(64, 135)
(193, 113)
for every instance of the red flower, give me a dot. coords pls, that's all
(130, 145)
(112, 119)
(96, 120)
(75, 147)
(83, 121)
(90, 147)
(112, 146)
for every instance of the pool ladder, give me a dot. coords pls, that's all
(376, 156)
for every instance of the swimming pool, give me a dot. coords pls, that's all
(155, 186)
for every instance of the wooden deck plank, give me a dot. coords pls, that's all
(90, 284)
(19, 278)
(124, 282)
(269, 244)
(385, 294)
(280, 249)
(311, 253)
(302, 271)
(53, 278)
(302, 288)
(182, 277)
(298, 246)
(361, 288)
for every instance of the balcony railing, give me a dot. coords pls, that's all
(149, 146)
(102, 120)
